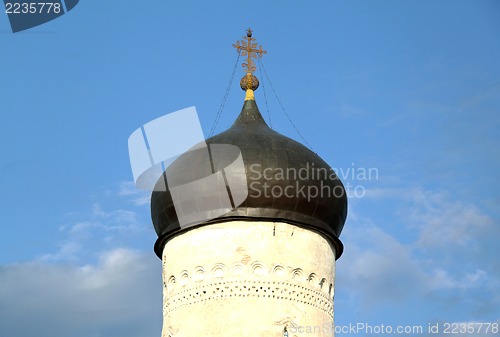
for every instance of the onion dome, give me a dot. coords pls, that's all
(285, 181)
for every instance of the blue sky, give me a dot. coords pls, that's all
(411, 88)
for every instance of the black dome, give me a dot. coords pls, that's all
(274, 164)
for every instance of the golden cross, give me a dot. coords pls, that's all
(249, 49)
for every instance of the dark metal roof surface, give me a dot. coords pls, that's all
(263, 148)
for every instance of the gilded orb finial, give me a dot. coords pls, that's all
(246, 47)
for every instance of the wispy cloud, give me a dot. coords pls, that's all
(433, 247)
(91, 231)
(138, 197)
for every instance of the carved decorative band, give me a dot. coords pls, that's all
(255, 270)
(259, 289)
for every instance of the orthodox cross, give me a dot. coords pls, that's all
(250, 49)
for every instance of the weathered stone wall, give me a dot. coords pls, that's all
(248, 279)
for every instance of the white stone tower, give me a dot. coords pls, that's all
(267, 266)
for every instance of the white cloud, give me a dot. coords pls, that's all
(442, 222)
(90, 286)
(118, 296)
(433, 248)
(441, 279)
(377, 267)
